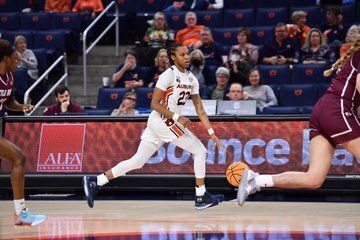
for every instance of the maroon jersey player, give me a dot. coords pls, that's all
(333, 121)
(9, 59)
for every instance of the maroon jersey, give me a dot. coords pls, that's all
(6, 89)
(344, 84)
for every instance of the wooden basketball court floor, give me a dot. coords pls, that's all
(179, 220)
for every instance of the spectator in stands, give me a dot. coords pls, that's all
(220, 90)
(161, 64)
(299, 29)
(263, 94)
(88, 7)
(156, 37)
(249, 53)
(127, 106)
(236, 92)
(282, 49)
(193, 5)
(315, 50)
(58, 5)
(239, 70)
(197, 63)
(212, 50)
(334, 30)
(191, 34)
(63, 105)
(128, 74)
(352, 35)
(28, 59)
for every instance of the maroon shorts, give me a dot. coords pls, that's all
(334, 119)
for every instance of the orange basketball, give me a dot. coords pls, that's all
(234, 173)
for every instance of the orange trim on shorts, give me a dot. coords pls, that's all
(177, 130)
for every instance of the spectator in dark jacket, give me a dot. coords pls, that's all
(220, 90)
(63, 105)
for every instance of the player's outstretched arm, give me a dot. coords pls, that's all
(13, 105)
(204, 119)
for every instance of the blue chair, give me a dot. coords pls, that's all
(35, 21)
(275, 89)
(68, 21)
(236, 4)
(297, 95)
(8, 6)
(275, 74)
(98, 111)
(53, 41)
(41, 58)
(126, 6)
(307, 109)
(281, 110)
(11, 35)
(239, 17)
(225, 36)
(302, 3)
(176, 20)
(21, 83)
(209, 74)
(322, 89)
(260, 35)
(143, 97)
(270, 16)
(313, 14)
(9, 21)
(271, 3)
(212, 19)
(308, 74)
(149, 6)
(110, 98)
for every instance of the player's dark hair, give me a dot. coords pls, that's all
(172, 49)
(6, 49)
(61, 90)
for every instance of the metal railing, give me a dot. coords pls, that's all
(42, 77)
(86, 51)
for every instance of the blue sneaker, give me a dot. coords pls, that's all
(25, 218)
(208, 200)
(91, 188)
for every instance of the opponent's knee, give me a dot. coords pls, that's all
(19, 159)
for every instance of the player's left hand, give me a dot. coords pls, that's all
(217, 142)
(27, 108)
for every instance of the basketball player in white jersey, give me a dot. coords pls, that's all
(165, 124)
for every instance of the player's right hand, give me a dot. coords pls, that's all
(185, 122)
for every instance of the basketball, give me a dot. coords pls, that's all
(234, 173)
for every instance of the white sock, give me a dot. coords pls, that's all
(19, 205)
(200, 190)
(102, 180)
(264, 181)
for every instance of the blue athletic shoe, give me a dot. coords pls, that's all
(208, 200)
(25, 218)
(90, 188)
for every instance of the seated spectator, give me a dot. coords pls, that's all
(161, 64)
(282, 49)
(249, 53)
(263, 94)
(27, 57)
(219, 91)
(128, 74)
(197, 62)
(88, 7)
(58, 5)
(127, 106)
(299, 29)
(191, 34)
(193, 5)
(315, 49)
(211, 49)
(63, 105)
(156, 37)
(334, 30)
(236, 92)
(352, 35)
(238, 70)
